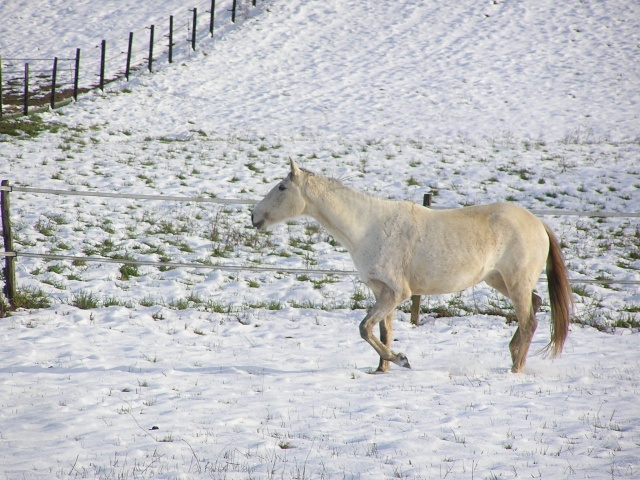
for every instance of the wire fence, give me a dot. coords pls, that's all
(254, 268)
(42, 83)
(245, 201)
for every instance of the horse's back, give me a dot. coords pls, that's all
(497, 222)
(460, 247)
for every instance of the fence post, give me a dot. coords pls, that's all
(26, 89)
(415, 299)
(9, 262)
(76, 77)
(152, 30)
(103, 57)
(0, 87)
(233, 11)
(171, 39)
(53, 82)
(193, 30)
(211, 18)
(128, 68)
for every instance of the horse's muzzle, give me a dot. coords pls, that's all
(259, 224)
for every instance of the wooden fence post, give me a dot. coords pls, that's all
(0, 87)
(127, 70)
(193, 30)
(233, 11)
(26, 89)
(76, 77)
(211, 18)
(415, 299)
(103, 59)
(151, 33)
(9, 261)
(54, 73)
(171, 39)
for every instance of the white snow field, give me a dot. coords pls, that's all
(113, 371)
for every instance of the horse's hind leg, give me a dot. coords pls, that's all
(386, 336)
(536, 302)
(526, 304)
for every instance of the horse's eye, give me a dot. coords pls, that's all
(282, 188)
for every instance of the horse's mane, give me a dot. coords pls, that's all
(334, 184)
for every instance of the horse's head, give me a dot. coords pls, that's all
(283, 202)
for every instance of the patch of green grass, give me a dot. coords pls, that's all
(56, 268)
(54, 283)
(148, 301)
(31, 297)
(179, 304)
(85, 300)
(217, 307)
(580, 290)
(412, 182)
(271, 305)
(113, 301)
(26, 126)
(127, 270)
(303, 304)
(324, 280)
(46, 227)
(105, 247)
(630, 320)
(360, 299)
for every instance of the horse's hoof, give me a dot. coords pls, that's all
(402, 360)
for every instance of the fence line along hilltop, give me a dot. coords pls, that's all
(35, 84)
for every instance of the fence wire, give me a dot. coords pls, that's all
(253, 268)
(132, 196)
(240, 201)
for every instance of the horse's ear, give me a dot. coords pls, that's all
(295, 171)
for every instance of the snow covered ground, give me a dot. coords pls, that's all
(147, 372)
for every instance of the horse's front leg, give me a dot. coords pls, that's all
(386, 301)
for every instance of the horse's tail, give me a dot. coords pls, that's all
(560, 295)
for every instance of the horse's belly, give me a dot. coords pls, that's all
(436, 285)
(449, 275)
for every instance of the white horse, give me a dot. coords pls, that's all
(400, 248)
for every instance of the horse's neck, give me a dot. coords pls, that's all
(343, 212)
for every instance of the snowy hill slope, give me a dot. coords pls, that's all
(155, 372)
(544, 70)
